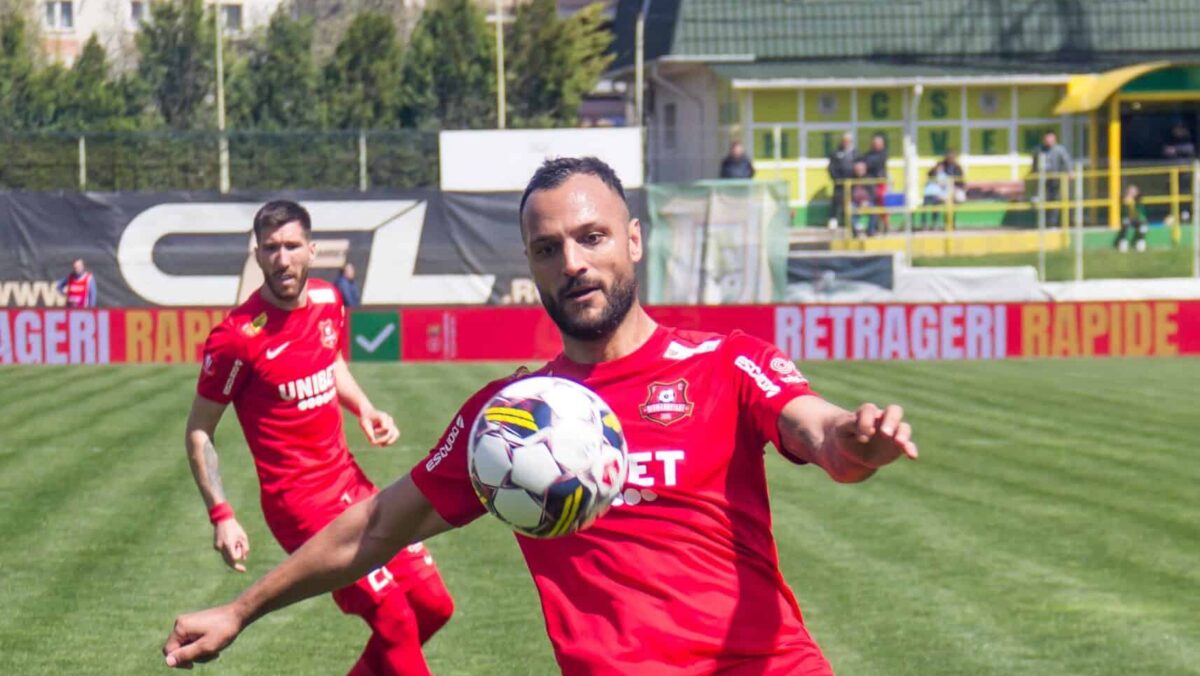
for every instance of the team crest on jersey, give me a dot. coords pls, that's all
(255, 326)
(328, 334)
(667, 403)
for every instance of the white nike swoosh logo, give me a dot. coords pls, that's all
(272, 353)
(370, 345)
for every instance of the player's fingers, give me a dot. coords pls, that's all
(227, 554)
(368, 428)
(865, 422)
(903, 433)
(889, 422)
(182, 657)
(910, 450)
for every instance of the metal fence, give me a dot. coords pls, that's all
(140, 161)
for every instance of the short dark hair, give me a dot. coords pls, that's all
(277, 213)
(555, 172)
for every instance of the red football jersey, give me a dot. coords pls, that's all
(681, 576)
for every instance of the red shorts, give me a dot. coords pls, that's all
(409, 568)
(294, 523)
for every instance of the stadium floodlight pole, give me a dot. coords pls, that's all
(1041, 217)
(639, 54)
(82, 163)
(1196, 218)
(222, 142)
(1079, 221)
(500, 96)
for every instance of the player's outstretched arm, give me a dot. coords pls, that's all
(849, 445)
(229, 538)
(378, 426)
(365, 536)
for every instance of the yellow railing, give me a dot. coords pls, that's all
(1072, 200)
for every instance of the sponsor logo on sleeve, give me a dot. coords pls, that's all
(208, 368)
(756, 374)
(788, 373)
(448, 445)
(237, 366)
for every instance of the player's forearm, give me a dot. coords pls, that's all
(812, 428)
(202, 459)
(834, 459)
(344, 551)
(350, 395)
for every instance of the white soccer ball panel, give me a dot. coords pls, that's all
(534, 468)
(576, 444)
(518, 508)
(569, 403)
(528, 388)
(491, 459)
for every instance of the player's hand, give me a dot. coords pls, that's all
(200, 637)
(873, 437)
(379, 427)
(229, 538)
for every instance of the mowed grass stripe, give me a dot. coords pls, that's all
(89, 382)
(1043, 530)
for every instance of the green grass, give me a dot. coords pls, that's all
(1097, 263)
(1052, 526)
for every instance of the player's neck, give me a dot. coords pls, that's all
(289, 304)
(631, 334)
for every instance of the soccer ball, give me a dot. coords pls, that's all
(546, 456)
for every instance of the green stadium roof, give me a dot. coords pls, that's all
(909, 38)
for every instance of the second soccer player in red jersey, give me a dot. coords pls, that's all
(277, 359)
(682, 576)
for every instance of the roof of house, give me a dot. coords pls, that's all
(916, 37)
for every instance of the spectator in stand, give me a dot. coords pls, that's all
(1180, 149)
(1180, 146)
(876, 159)
(945, 183)
(346, 286)
(841, 167)
(1057, 166)
(736, 164)
(862, 196)
(1134, 223)
(79, 287)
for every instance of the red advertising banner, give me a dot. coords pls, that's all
(804, 332)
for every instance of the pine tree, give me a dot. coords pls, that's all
(361, 83)
(17, 70)
(553, 63)
(276, 87)
(449, 69)
(177, 62)
(95, 100)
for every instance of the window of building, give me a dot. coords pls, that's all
(137, 12)
(231, 18)
(60, 15)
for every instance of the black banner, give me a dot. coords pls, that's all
(194, 249)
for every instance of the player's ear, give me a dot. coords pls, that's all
(635, 240)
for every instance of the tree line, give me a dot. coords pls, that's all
(442, 77)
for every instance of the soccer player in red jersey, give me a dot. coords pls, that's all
(682, 576)
(277, 358)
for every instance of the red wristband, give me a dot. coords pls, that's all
(220, 512)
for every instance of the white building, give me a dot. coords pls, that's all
(67, 24)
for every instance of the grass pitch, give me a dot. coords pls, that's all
(1097, 263)
(1052, 526)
